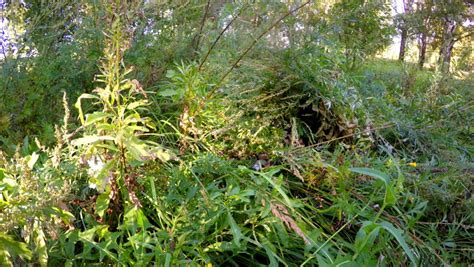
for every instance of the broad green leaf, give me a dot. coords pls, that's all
(134, 219)
(270, 250)
(5, 258)
(87, 237)
(168, 259)
(102, 203)
(102, 232)
(269, 178)
(8, 183)
(168, 92)
(95, 117)
(17, 248)
(397, 233)
(234, 228)
(132, 120)
(64, 215)
(91, 139)
(107, 146)
(170, 74)
(137, 149)
(366, 236)
(88, 234)
(390, 197)
(142, 220)
(104, 126)
(137, 128)
(40, 246)
(373, 173)
(271, 256)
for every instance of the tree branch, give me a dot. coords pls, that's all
(463, 36)
(198, 36)
(218, 38)
(214, 89)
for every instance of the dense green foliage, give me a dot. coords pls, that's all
(202, 133)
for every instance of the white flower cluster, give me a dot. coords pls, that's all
(95, 166)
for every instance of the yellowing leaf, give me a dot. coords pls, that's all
(79, 107)
(32, 160)
(163, 155)
(136, 104)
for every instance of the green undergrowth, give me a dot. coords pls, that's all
(299, 162)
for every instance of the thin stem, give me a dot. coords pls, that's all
(218, 38)
(333, 235)
(348, 135)
(198, 36)
(216, 86)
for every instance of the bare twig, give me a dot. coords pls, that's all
(395, 221)
(442, 170)
(218, 38)
(71, 135)
(464, 226)
(350, 135)
(198, 36)
(274, 24)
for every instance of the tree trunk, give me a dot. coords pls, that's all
(425, 8)
(403, 43)
(422, 50)
(447, 44)
(407, 6)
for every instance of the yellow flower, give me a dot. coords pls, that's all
(209, 265)
(412, 164)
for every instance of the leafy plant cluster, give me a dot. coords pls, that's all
(249, 151)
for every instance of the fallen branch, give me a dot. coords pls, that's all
(349, 135)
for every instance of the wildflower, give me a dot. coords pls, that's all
(412, 164)
(95, 166)
(209, 265)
